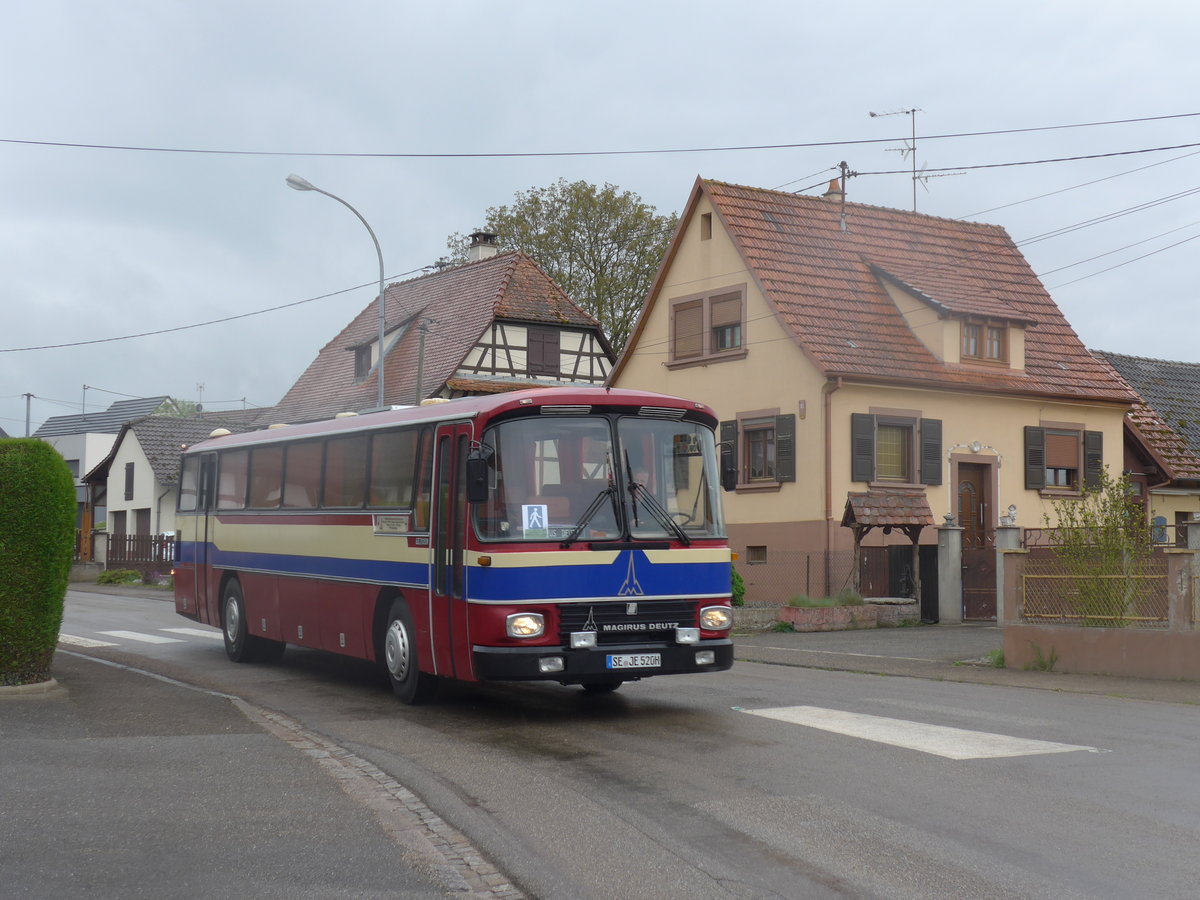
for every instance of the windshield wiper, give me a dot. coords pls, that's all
(609, 492)
(652, 503)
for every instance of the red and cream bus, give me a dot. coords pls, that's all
(569, 535)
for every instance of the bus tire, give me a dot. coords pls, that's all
(408, 682)
(238, 643)
(600, 687)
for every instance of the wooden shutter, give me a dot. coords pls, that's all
(128, 481)
(931, 451)
(543, 351)
(1093, 459)
(785, 448)
(1035, 458)
(862, 447)
(688, 335)
(729, 450)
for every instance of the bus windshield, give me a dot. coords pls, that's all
(670, 474)
(567, 479)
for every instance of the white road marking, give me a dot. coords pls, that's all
(195, 632)
(144, 638)
(951, 743)
(82, 641)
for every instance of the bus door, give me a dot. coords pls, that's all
(206, 605)
(447, 591)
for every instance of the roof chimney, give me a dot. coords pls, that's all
(835, 190)
(483, 246)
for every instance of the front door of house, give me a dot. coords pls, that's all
(978, 541)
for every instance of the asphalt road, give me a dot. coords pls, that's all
(768, 781)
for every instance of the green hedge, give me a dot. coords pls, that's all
(37, 540)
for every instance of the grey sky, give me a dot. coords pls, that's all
(102, 243)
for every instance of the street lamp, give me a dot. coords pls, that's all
(297, 183)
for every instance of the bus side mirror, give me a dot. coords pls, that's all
(477, 479)
(728, 468)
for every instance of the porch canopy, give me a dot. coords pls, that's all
(905, 510)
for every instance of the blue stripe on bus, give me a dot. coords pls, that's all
(623, 578)
(383, 571)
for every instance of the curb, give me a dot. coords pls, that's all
(39, 689)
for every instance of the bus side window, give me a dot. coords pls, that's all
(231, 483)
(424, 481)
(266, 477)
(189, 484)
(302, 478)
(393, 456)
(345, 471)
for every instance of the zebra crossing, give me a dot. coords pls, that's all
(120, 637)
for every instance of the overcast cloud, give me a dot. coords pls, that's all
(100, 243)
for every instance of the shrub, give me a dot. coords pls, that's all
(37, 541)
(738, 588)
(845, 597)
(1103, 540)
(119, 576)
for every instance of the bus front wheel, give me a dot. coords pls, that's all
(409, 683)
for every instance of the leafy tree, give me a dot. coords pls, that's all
(602, 245)
(1104, 541)
(37, 535)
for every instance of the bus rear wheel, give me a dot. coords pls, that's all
(240, 645)
(408, 682)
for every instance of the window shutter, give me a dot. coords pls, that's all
(785, 448)
(862, 447)
(689, 331)
(931, 451)
(1093, 459)
(726, 311)
(729, 450)
(128, 481)
(1035, 458)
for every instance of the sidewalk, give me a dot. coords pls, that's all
(117, 783)
(941, 652)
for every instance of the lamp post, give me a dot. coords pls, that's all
(297, 183)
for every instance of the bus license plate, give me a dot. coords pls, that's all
(634, 660)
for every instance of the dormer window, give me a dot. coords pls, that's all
(984, 342)
(362, 362)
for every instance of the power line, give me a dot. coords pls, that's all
(570, 153)
(258, 312)
(1037, 162)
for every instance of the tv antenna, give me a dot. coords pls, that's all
(908, 149)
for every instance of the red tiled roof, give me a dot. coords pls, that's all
(455, 307)
(819, 262)
(881, 508)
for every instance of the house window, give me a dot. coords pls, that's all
(128, 481)
(759, 439)
(708, 327)
(760, 448)
(1062, 459)
(362, 362)
(984, 342)
(893, 452)
(706, 226)
(895, 448)
(544, 358)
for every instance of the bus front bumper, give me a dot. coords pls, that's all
(624, 662)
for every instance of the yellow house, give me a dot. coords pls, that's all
(854, 351)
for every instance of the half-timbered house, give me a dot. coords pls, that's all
(496, 323)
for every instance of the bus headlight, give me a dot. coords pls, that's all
(525, 625)
(716, 618)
